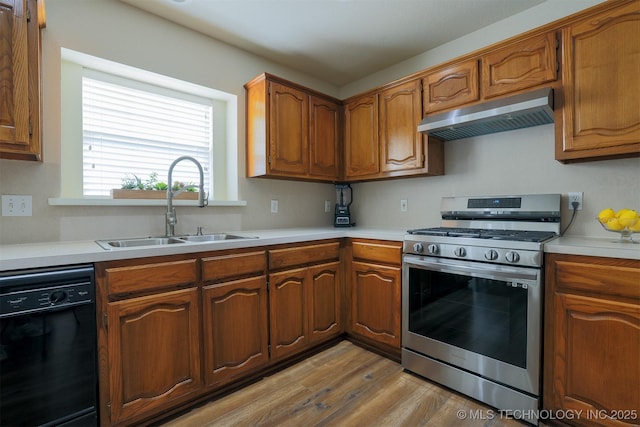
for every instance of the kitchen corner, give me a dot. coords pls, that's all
(311, 189)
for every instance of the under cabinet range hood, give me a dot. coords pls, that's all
(514, 112)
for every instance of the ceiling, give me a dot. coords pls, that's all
(336, 41)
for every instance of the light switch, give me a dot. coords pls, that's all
(15, 205)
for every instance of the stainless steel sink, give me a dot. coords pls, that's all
(163, 241)
(138, 242)
(212, 237)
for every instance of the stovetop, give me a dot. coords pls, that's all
(478, 233)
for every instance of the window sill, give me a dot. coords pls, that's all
(61, 201)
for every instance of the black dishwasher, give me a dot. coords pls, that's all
(48, 347)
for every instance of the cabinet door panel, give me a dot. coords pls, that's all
(601, 81)
(451, 87)
(401, 145)
(235, 329)
(14, 114)
(596, 362)
(375, 305)
(361, 138)
(324, 138)
(288, 141)
(523, 65)
(154, 352)
(287, 312)
(325, 301)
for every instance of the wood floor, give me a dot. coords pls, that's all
(342, 386)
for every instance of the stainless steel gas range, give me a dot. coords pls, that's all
(472, 292)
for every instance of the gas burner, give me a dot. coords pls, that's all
(476, 233)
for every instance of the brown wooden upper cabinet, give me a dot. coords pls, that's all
(452, 86)
(381, 138)
(20, 23)
(601, 82)
(292, 132)
(518, 66)
(362, 158)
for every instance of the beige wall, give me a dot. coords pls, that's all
(513, 162)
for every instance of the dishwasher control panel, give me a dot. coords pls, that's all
(45, 290)
(24, 301)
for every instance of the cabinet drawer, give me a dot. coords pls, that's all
(385, 252)
(224, 267)
(145, 277)
(300, 255)
(615, 277)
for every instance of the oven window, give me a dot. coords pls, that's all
(484, 316)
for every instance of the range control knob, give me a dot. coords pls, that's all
(491, 255)
(417, 247)
(432, 249)
(460, 251)
(512, 256)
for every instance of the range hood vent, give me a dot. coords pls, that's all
(515, 112)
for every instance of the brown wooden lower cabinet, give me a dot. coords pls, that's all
(235, 328)
(175, 329)
(325, 302)
(592, 342)
(375, 289)
(289, 332)
(154, 352)
(304, 302)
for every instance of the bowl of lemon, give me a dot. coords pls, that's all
(625, 222)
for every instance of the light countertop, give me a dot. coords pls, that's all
(609, 247)
(47, 254)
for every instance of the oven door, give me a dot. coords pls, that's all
(483, 318)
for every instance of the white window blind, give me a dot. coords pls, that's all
(127, 130)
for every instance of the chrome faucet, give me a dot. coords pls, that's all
(171, 218)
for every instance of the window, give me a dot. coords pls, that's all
(117, 121)
(123, 127)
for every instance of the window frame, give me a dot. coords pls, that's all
(224, 166)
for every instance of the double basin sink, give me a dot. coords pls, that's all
(163, 241)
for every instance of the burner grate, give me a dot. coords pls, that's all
(513, 235)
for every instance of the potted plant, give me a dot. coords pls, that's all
(134, 188)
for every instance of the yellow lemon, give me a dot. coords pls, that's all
(635, 227)
(621, 212)
(628, 218)
(614, 224)
(605, 215)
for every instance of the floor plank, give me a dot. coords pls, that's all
(343, 386)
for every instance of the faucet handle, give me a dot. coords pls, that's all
(199, 231)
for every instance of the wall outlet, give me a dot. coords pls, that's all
(575, 197)
(14, 205)
(327, 206)
(404, 205)
(274, 206)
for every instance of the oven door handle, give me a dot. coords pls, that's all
(490, 272)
